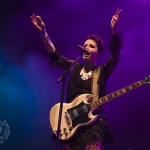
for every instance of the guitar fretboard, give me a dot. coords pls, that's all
(114, 94)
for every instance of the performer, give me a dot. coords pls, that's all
(94, 136)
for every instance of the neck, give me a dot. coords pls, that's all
(88, 66)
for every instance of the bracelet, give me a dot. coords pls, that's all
(43, 32)
(46, 40)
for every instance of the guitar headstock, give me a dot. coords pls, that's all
(146, 81)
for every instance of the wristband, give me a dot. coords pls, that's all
(43, 32)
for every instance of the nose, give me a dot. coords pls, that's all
(87, 51)
(87, 48)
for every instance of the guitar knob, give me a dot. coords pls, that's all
(66, 133)
(64, 129)
(70, 128)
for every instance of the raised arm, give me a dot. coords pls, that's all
(56, 59)
(39, 24)
(114, 45)
(114, 22)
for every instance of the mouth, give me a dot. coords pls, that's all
(86, 54)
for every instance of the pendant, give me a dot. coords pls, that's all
(84, 76)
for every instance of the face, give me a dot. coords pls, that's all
(91, 47)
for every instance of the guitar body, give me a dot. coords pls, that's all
(74, 116)
(79, 112)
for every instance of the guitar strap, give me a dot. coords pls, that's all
(95, 87)
(95, 92)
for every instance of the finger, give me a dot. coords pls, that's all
(118, 11)
(33, 19)
(116, 16)
(38, 18)
(33, 16)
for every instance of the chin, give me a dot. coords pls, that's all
(86, 57)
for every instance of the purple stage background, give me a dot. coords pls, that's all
(28, 87)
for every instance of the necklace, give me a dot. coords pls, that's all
(84, 75)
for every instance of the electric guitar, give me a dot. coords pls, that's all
(79, 112)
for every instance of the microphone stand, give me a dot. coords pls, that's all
(62, 78)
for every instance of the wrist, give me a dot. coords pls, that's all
(114, 32)
(43, 32)
(46, 38)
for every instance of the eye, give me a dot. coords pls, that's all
(92, 46)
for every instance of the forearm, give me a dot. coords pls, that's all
(114, 32)
(114, 46)
(111, 64)
(47, 42)
(115, 43)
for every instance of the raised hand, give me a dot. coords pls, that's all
(114, 21)
(38, 23)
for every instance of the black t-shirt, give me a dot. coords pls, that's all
(84, 86)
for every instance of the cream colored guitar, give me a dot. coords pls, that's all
(79, 112)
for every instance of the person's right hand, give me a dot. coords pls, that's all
(38, 23)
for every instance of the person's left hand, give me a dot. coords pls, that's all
(114, 21)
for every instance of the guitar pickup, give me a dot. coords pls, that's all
(75, 113)
(71, 115)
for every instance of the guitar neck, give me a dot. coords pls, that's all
(114, 95)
